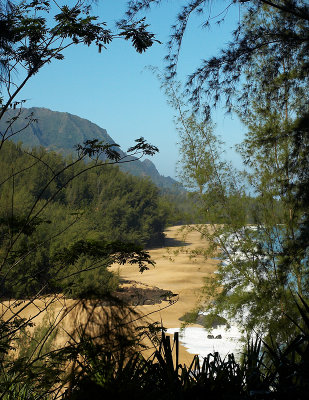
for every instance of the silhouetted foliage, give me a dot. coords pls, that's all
(220, 77)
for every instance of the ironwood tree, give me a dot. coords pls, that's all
(263, 76)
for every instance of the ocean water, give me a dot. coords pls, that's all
(195, 339)
(269, 243)
(196, 342)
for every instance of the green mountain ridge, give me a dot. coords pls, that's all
(62, 131)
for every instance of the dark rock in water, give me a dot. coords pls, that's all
(210, 336)
(218, 337)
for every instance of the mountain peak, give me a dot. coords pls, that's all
(62, 131)
(150, 167)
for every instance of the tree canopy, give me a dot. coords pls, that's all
(263, 76)
(99, 207)
(284, 34)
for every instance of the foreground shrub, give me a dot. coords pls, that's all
(104, 360)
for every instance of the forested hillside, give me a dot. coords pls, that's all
(101, 205)
(61, 132)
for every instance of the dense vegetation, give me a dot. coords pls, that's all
(100, 205)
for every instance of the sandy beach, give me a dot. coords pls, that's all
(175, 272)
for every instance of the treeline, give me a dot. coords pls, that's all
(209, 208)
(63, 222)
(50, 203)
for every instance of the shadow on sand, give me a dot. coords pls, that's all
(172, 242)
(169, 242)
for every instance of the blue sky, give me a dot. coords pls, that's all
(113, 89)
